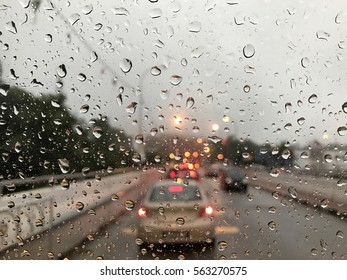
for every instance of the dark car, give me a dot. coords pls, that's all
(235, 179)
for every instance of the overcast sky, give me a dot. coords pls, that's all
(284, 51)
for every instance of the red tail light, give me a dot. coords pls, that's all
(207, 211)
(142, 212)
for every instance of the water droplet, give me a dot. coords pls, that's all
(249, 69)
(65, 184)
(38, 196)
(18, 147)
(341, 182)
(48, 38)
(155, 13)
(87, 9)
(209, 99)
(61, 71)
(64, 165)
(248, 51)
(222, 246)
(84, 109)
(275, 195)
(180, 221)
(131, 108)
(288, 108)
(184, 62)
(175, 80)
(322, 35)
(129, 204)
(38, 223)
(272, 209)
(304, 155)
(114, 197)
(288, 126)
(97, 131)
(81, 77)
(136, 157)
(74, 18)
(305, 62)
(11, 27)
(154, 131)
(272, 225)
(190, 102)
(194, 26)
(313, 99)
(155, 71)
(11, 204)
(79, 129)
(324, 203)
(195, 129)
(215, 139)
(79, 206)
(342, 130)
(275, 172)
(4, 88)
(161, 210)
(344, 107)
(157, 158)
(93, 57)
(340, 234)
(301, 121)
(246, 88)
(125, 65)
(328, 158)
(292, 191)
(139, 139)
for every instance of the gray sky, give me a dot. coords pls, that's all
(300, 47)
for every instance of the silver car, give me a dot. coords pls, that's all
(176, 213)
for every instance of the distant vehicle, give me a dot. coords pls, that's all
(174, 213)
(235, 179)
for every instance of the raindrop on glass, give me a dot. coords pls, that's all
(194, 26)
(131, 108)
(180, 221)
(305, 62)
(342, 130)
(222, 246)
(125, 65)
(11, 27)
(97, 131)
(74, 18)
(48, 38)
(81, 77)
(190, 102)
(64, 165)
(340, 234)
(272, 225)
(313, 99)
(84, 109)
(248, 51)
(292, 191)
(328, 158)
(87, 9)
(79, 206)
(175, 80)
(129, 204)
(344, 107)
(246, 88)
(155, 71)
(61, 71)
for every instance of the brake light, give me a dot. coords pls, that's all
(142, 212)
(207, 211)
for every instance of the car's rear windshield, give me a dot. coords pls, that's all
(175, 193)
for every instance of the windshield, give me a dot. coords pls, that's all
(101, 100)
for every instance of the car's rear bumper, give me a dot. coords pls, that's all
(164, 235)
